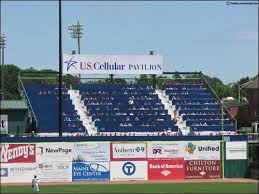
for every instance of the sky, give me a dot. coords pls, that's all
(218, 39)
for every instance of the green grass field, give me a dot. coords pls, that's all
(140, 188)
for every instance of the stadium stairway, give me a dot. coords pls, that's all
(81, 111)
(173, 112)
(126, 109)
(182, 124)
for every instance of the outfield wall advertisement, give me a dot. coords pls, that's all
(91, 151)
(54, 171)
(18, 153)
(115, 161)
(165, 149)
(128, 170)
(47, 152)
(166, 169)
(131, 150)
(17, 173)
(202, 169)
(236, 150)
(91, 171)
(207, 150)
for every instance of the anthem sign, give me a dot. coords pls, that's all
(112, 64)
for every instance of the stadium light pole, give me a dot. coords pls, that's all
(76, 33)
(153, 75)
(2, 46)
(240, 87)
(60, 72)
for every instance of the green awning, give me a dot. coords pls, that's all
(13, 104)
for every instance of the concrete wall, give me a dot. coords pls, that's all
(17, 120)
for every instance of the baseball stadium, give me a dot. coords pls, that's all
(125, 120)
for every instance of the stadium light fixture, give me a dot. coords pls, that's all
(2, 41)
(2, 46)
(76, 32)
(240, 87)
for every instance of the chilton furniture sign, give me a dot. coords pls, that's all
(112, 64)
(202, 169)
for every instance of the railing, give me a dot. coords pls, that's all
(181, 73)
(23, 91)
(38, 78)
(18, 135)
(218, 99)
(253, 137)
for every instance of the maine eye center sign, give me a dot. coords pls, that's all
(112, 64)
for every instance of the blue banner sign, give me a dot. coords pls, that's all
(91, 171)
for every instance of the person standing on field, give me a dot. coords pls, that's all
(35, 183)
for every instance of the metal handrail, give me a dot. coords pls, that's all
(93, 78)
(19, 135)
(218, 99)
(39, 72)
(192, 73)
(253, 137)
(24, 76)
(40, 78)
(27, 99)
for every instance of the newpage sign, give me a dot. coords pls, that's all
(112, 64)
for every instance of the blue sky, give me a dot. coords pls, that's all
(211, 37)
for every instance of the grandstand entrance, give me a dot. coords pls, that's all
(253, 158)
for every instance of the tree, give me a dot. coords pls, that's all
(10, 82)
(144, 79)
(115, 81)
(32, 75)
(177, 75)
(70, 81)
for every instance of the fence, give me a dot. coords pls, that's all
(117, 158)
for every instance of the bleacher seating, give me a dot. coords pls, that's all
(126, 108)
(44, 101)
(197, 107)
